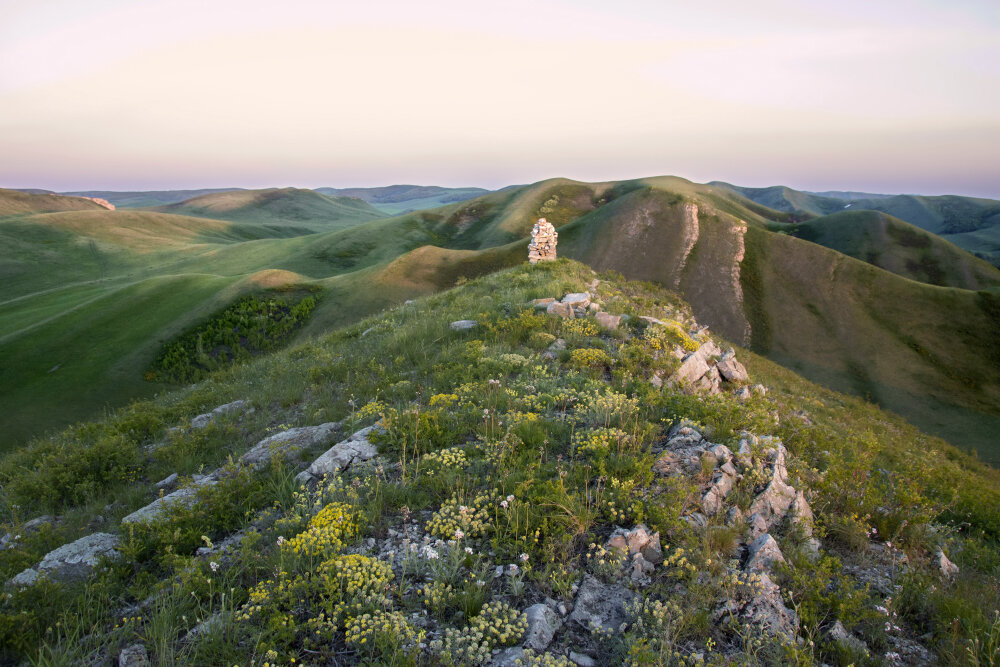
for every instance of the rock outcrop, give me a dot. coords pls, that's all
(543, 242)
(358, 447)
(156, 509)
(288, 442)
(236, 407)
(71, 561)
(600, 605)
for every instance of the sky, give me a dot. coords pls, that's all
(894, 96)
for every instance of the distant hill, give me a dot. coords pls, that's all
(141, 199)
(970, 223)
(860, 302)
(397, 199)
(18, 202)
(904, 249)
(278, 206)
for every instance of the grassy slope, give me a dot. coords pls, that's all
(397, 199)
(15, 202)
(864, 468)
(899, 247)
(969, 222)
(856, 332)
(140, 199)
(279, 206)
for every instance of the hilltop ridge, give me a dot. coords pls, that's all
(528, 467)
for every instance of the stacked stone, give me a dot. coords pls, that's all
(543, 242)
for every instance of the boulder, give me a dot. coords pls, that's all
(133, 656)
(463, 325)
(201, 421)
(773, 503)
(839, 635)
(764, 554)
(158, 507)
(542, 303)
(577, 299)
(637, 541)
(511, 657)
(563, 310)
(581, 659)
(607, 320)
(357, 447)
(767, 610)
(71, 561)
(543, 623)
(168, 482)
(944, 565)
(732, 370)
(600, 604)
(722, 483)
(288, 442)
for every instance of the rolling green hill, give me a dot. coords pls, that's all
(15, 202)
(925, 350)
(897, 246)
(396, 199)
(971, 223)
(278, 206)
(147, 198)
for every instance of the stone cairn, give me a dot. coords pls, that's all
(543, 242)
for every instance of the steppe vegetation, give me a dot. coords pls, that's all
(504, 466)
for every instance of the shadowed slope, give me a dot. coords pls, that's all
(899, 247)
(284, 206)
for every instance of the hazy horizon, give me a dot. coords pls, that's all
(898, 97)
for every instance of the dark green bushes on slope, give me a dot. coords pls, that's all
(252, 325)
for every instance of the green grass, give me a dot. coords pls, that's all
(903, 342)
(575, 466)
(278, 206)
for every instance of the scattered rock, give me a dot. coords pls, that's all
(155, 509)
(133, 656)
(71, 561)
(201, 421)
(743, 393)
(637, 541)
(759, 389)
(543, 303)
(288, 442)
(542, 626)
(599, 604)
(463, 325)
(357, 447)
(543, 242)
(945, 566)
(581, 659)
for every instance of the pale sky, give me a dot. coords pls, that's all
(891, 96)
